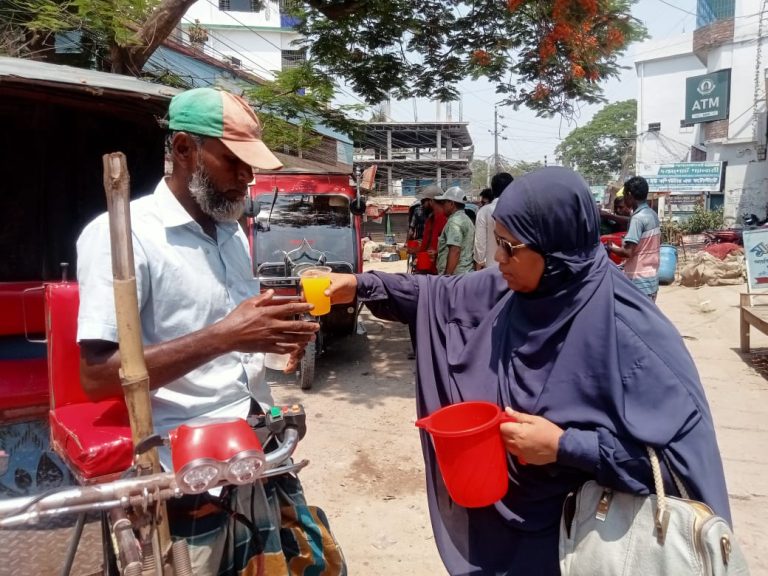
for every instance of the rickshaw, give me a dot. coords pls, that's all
(297, 219)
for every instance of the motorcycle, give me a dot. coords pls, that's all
(752, 221)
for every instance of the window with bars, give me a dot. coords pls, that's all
(708, 11)
(240, 5)
(293, 58)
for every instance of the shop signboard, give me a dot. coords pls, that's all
(683, 177)
(684, 202)
(707, 97)
(756, 253)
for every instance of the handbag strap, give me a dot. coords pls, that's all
(662, 515)
(661, 518)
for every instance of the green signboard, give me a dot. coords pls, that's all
(683, 177)
(707, 97)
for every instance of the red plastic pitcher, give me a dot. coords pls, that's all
(470, 451)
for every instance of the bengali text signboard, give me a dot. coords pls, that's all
(756, 254)
(683, 177)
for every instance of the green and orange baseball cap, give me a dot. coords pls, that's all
(222, 115)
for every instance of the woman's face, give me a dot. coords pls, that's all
(523, 268)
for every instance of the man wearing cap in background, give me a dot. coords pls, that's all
(204, 325)
(455, 247)
(485, 226)
(434, 223)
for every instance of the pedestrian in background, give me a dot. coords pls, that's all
(485, 240)
(434, 222)
(642, 243)
(454, 249)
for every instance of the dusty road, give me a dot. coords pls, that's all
(366, 469)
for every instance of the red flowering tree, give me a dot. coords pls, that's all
(546, 54)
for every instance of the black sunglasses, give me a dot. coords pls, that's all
(509, 248)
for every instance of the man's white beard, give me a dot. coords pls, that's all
(215, 205)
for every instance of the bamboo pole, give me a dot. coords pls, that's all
(133, 370)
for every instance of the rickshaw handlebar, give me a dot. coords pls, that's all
(140, 491)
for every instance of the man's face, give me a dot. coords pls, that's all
(441, 206)
(219, 182)
(629, 203)
(622, 209)
(426, 205)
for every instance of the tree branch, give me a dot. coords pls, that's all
(337, 10)
(153, 32)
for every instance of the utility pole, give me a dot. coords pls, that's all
(495, 132)
(496, 139)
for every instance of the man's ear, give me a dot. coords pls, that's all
(184, 149)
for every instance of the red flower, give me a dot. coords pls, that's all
(481, 57)
(513, 5)
(547, 49)
(577, 71)
(541, 91)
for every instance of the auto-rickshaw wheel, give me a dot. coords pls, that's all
(306, 373)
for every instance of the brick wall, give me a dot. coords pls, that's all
(716, 34)
(715, 130)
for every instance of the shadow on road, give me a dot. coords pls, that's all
(360, 369)
(757, 359)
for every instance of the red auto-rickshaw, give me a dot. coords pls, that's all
(298, 219)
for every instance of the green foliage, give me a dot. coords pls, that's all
(522, 167)
(671, 232)
(298, 99)
(604, 146)
(423, 49)
(112, 20)
(702, 220)
(545, 54)
(480, 170)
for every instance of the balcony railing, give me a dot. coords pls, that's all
(709, 11)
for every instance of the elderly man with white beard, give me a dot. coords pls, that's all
(204, 325)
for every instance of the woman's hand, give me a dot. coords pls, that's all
(343, 288)
(532, 439)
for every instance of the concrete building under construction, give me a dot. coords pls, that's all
(410, 155)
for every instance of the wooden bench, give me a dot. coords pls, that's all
(751, 315)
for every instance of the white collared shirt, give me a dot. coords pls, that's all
(485, 239)
(186, 280)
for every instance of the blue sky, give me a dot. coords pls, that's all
(531, 138)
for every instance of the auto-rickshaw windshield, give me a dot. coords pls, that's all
(302, 210)
(323, 220)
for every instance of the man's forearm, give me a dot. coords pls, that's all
(454, 253)
(166, 362)
(625, 252)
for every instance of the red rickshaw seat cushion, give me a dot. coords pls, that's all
(93, 437)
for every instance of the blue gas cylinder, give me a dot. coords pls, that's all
(667, 264)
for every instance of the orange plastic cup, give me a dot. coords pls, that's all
(314, 282)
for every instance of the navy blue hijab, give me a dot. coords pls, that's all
(585, 350)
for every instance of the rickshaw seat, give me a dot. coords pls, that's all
(93, 438)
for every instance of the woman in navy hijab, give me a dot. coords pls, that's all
(591, 369)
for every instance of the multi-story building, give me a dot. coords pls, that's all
(260, 41)
(701, 111)
(410, 155)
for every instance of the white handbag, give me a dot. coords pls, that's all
(608, 533)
